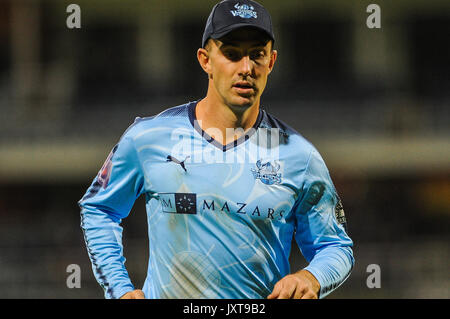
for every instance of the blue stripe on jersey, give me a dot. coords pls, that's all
(102, 280)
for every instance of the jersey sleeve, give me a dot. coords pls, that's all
(108, 200)
(321, 228)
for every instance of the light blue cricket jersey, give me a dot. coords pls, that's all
(221, 219)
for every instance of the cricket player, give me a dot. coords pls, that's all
(227, 186)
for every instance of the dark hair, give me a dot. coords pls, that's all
(208, 43)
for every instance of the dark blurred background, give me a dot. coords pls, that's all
(375, 102)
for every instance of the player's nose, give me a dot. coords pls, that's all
(245, 66)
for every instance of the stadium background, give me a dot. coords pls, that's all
(375, 102)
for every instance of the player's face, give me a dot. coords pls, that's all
(239, 66)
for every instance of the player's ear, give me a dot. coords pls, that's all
(273, 58)
(204, 60)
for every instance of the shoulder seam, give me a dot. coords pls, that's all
(183, 108)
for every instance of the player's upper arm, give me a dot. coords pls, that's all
(118, 183)
(319, 215)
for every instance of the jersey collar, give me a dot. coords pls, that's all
(209, 139)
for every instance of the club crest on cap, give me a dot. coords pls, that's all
(244, 11)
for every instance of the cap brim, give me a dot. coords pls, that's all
(225, 31)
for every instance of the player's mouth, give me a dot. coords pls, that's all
(244, 88)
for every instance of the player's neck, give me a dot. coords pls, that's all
(214, 115)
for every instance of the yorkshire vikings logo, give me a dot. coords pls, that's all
(244, 11)
(267, 172)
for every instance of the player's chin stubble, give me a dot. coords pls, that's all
(241, 104)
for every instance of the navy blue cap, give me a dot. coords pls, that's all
(229, 15)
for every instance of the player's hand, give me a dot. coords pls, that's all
(301, 285)
(135, 294)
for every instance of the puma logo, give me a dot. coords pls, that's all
(170, 158)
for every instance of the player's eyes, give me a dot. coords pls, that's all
(257, 55)
(231, 55)
(234, 55)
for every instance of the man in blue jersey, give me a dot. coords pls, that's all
(227, 186)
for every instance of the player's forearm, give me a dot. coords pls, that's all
(103, 238)
(331, 266)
